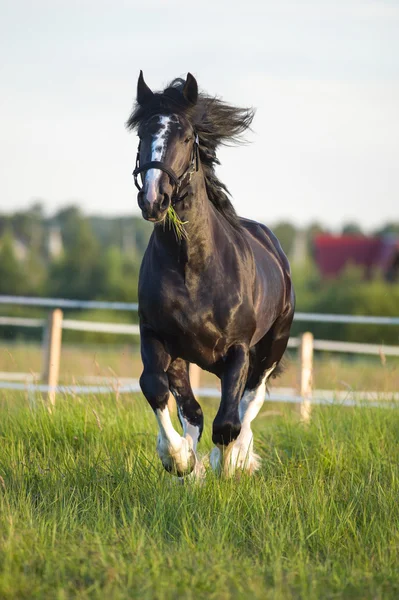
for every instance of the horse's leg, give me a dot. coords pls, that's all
(189, 411)
(240, 454)
(227, 424)
(175, 452)
(266, 356)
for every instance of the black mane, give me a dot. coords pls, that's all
(215, 122)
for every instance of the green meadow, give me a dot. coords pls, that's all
(86, 510)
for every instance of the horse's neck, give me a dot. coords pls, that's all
(195, 211)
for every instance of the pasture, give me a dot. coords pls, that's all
(114, 361)
(87, 511)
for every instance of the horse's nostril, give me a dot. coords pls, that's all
(165, 202)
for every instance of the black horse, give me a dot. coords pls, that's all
(220, 296)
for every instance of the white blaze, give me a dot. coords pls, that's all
(158, 149)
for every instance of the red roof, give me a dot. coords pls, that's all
(334, 252)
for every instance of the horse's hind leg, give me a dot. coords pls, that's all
(266, 356)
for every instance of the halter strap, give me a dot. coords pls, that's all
(155, 164)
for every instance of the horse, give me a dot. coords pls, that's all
(216, 291)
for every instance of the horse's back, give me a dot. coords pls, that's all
(260, 234)
(274, 296)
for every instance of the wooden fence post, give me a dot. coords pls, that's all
(195, 376)
(306, 375)
(52, 352)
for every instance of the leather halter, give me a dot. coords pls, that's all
(177, 181)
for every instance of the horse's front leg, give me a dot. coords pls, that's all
(176, 453)
(189, 411)
(227, 424)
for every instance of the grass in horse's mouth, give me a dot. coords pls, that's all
(176, 223)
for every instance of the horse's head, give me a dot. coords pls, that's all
(167, 151)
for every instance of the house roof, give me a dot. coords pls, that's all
(334, 252)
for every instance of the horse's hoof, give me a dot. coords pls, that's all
(181, 463)
(234, 460)
(191, 462)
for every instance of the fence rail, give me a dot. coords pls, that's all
(28, 381)
(354, 319)
(133, 306)
(65, 303)
(289, 395)
(129, 329)
(306, 345)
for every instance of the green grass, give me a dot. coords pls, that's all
(112, 361)
(176, 224)
(86, 510)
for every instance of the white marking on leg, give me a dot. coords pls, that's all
(167, 432)
(158, 149)
(239, 454)
(252, 400)
(189, 430)
(175, 452)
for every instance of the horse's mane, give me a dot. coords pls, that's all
(215, 122)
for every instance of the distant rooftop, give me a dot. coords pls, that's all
(333, 253)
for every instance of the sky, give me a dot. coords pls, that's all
(323, 76)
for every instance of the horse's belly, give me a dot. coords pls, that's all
(204, 346)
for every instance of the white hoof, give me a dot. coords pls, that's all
(180, 460)
(239, 457)
(235, 457)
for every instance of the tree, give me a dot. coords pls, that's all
(69, 219)
(12, 275)
(36, 273)
(285, 233)
(351, 229)
(391, 228)
(78, 273)
(119, 276)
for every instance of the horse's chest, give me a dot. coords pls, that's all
(175, 309)
(196, 322)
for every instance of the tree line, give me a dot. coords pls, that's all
(99, 258)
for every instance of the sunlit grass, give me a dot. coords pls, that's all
(113, 361)
(87, 511)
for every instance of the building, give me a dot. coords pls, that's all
(333, 253)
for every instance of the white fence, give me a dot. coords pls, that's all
(133, 307)
(306, 344)
(128, 329)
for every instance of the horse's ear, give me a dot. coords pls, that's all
(144, 94)
(190, 90)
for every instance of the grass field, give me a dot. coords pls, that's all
(86, 510)
(77, 361)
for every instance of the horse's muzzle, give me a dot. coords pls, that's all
(155, 209)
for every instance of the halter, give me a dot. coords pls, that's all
(177, 181)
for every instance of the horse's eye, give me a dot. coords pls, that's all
(188, 140)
